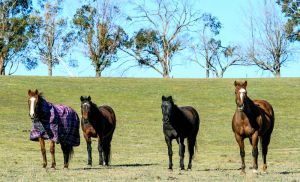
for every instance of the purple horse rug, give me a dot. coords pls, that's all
(58, 123)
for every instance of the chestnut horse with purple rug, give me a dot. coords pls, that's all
(253, 119)
(97, 122)
(58, 123)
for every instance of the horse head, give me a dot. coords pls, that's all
(166, 107)
(33, 98)
(85, 106)
(240, 94)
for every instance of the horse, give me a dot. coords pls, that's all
(58, 123)
(179, 123)
(97, 122)
(253, 119)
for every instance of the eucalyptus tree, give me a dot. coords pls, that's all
(164, 33)
(269, 46)
(99, 33)
(55, 38)
(291, 9)
(17, 27)
(209, 53)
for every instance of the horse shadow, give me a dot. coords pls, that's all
(238, 169)
(113, 166)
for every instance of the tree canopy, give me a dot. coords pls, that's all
(17, 27)
(291, 10)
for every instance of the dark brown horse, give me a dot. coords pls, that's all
(253, 119)
(179, 123)
(58, 123)
(97, 122)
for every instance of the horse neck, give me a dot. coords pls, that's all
(43, 107)
(95, 117)
(251, 110)
(95, 112)
(174, 114)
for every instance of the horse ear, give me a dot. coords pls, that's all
(81, 98)
(29, 91)
(163, 98)
(245, 84)
(89, 98)
(235, 83)
(36, 92)
(170, 98)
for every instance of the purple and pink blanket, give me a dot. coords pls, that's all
(58, 123)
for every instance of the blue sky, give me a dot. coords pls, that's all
(230, 13)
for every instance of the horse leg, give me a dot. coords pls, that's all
(240, 141)
(265, 140)
(89, 149)
(67, 151)
(181, 152)
(106, 149)
(43, 150)
(100, 150)
(254, 139)
(52, 151)
(191, 146)
(170, 152)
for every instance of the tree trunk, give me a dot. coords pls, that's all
(98, 71)
(207, 69)
(50, 68)
(277, 73)
(166, 73)
(2, 67)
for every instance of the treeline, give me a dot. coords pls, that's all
(152, 34)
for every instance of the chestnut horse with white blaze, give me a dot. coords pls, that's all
(253, 119)
(58, 123)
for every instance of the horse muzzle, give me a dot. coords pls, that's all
(32, 116)
(241, 107)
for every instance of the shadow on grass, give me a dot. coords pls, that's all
(115, 166)
(288, 172)
(220, 169)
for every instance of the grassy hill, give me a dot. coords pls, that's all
(139, 151)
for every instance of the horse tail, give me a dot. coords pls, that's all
(68, 153)
(196, 146)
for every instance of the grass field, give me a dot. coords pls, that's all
(139, 151)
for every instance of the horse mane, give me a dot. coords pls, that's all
(95, 114)
(252, 110)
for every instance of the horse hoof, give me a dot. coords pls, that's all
(255, 171)
(243, 173)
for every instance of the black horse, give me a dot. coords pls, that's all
(97, 122)
(179, 123)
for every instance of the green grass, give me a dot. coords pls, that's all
(139, 151)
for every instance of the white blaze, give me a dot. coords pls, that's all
(242, 93)
(32, 100)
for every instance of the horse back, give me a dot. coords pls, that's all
(267, 113)
(109, 115)
(190, 118)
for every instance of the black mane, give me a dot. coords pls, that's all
(94, 116)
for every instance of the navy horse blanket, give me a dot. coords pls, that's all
(58, 123)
